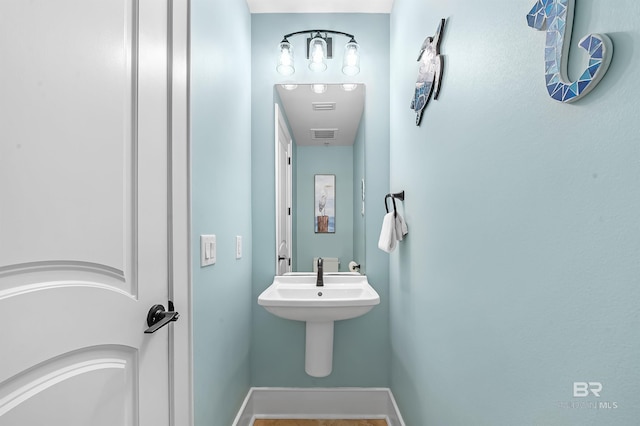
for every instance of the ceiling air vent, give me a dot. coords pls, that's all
(323, 106)
(324, 134)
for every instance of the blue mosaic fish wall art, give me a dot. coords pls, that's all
(556, 17)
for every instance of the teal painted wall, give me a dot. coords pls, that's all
(221, 205)
(330, 160)
(520, 274)
(361, 346)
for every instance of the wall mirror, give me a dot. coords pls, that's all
(320, 170)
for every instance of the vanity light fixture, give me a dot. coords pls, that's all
(319, 49)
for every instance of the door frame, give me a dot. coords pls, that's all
(280, 123)
(179, 183)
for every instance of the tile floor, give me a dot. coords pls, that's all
(301, 422)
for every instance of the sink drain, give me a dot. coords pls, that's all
(319, 293)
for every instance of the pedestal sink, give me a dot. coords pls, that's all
(296, 297)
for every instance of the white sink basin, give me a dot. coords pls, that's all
(296, 297)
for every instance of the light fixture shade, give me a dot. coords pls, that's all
(317, 54)
(285, 62)
(351, 60)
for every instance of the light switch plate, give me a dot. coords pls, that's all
(207, 250)
(238, 247)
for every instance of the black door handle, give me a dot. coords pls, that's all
(158, 317)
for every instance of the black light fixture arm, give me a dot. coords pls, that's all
(351, 36)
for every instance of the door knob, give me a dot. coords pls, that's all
(158, 317)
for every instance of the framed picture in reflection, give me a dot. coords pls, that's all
(325, 203)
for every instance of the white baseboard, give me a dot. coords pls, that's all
(319, 403)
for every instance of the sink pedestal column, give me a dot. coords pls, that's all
(319, 348)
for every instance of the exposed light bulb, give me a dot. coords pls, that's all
(319, 88)
(351, 60)
(349, 87)
(285, 62)
(317, 54)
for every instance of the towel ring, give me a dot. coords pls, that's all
(393, 196)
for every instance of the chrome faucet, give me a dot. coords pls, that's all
(320, 281)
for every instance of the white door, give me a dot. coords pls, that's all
(283, 194)
(86, 196)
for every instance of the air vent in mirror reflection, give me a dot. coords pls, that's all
(323, 106)
(324, 134)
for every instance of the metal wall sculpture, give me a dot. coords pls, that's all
(429, 73)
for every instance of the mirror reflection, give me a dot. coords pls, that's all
(320, 170)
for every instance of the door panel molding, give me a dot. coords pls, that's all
(101, 54)
(60, 265)
(112, 368)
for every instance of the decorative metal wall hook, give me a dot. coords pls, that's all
(556, 17)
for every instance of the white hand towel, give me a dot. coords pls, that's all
(387, 241)
(401, 227)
